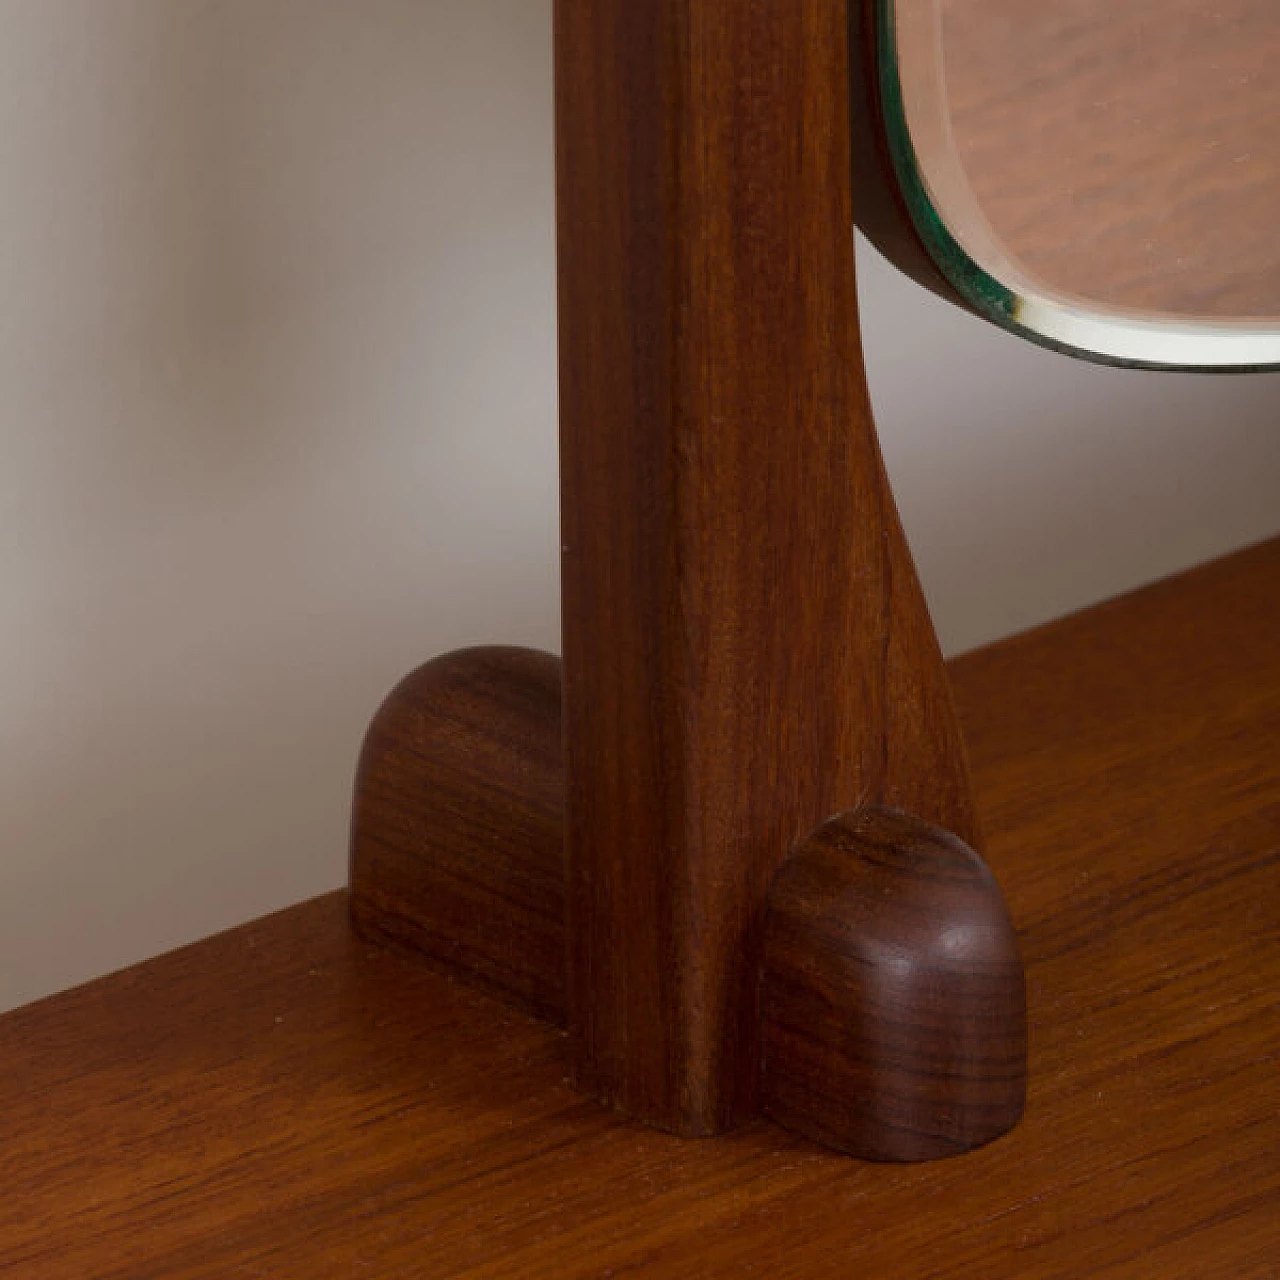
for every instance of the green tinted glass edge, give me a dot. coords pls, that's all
(1101, 336)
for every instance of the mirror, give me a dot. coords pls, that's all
(1102, 176)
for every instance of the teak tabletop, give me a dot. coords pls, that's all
(283, 1100)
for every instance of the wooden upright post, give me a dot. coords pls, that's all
(750, 676)
(746, 648)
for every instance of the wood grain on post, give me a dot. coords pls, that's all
(893, 1004)
(746, 648)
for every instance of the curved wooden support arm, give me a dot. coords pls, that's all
(746, 647)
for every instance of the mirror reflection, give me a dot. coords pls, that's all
(1102, 175)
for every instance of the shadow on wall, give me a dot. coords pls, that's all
(279, 423)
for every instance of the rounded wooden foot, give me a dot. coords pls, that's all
(893, 1002)
(457, 840)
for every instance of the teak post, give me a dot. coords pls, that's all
(746, 649)
(747, 653)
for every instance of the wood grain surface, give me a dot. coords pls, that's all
(746, 647)
(893, 1006)
(1127, 153)
(457, 824)
(285, 1101)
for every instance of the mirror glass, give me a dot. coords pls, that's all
(1100, 175)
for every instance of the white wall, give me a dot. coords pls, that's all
(277, 423)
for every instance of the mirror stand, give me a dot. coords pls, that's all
(641, 846)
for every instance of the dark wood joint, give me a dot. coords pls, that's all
(457, 834)
(893, 1003)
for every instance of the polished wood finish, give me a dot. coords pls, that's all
(457, 830)
(892, 1001)
(284, 1100)
(746, 647)
(893, 1005)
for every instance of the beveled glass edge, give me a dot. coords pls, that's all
(1102, 334)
